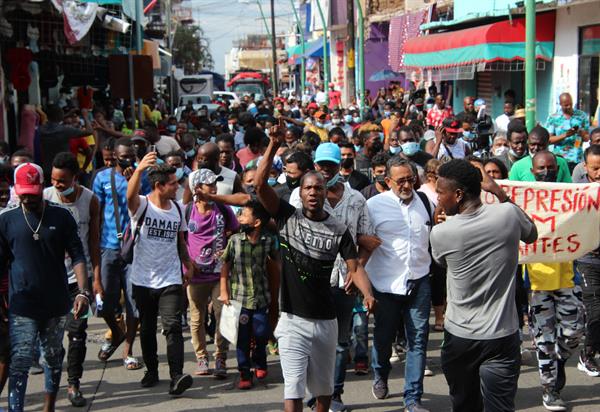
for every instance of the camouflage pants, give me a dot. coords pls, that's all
(556, 326)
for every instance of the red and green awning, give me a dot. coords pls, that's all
(590, 41)
(502, 41)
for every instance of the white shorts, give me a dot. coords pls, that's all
(307, 351)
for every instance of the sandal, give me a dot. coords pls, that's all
(438, 327)
(108, 348)
(131, 363)
(76, 398)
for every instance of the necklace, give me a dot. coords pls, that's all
(36, 235)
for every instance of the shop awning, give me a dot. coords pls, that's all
(313, 48)
(502, 41)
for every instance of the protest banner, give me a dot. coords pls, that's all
(567, 217)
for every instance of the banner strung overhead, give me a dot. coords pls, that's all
(567, 217)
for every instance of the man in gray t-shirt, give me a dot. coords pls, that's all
(479, 245)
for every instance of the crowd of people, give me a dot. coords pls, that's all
(311, 217)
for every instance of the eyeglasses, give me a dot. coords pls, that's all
(402, 182)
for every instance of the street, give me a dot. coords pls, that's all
(115, 389)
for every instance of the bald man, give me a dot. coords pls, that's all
(568, 129)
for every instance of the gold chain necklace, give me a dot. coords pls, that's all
(36, 235)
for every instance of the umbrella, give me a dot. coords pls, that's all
(383, 75)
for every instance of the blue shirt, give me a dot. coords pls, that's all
(103, 189)
(37, 274)
(570, 147)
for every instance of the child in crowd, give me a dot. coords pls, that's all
(245, 258)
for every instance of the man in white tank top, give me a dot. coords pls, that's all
(84, 206)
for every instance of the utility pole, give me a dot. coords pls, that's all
(302, 48)
(530, 63)
(274, 51)
(361, 59)
(350, 83)
(325, 54)
(139, 13)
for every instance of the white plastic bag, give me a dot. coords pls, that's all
(230, 318)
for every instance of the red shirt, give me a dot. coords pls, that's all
(78, 145)
(335, 99)
(245, 155)
(435, 116)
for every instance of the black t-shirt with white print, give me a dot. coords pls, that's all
(308, 252)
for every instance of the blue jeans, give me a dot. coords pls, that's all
(360, 336)
(253, 324)
(343, 305)
(23, 334)
(415, 312)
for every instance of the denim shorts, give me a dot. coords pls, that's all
(116, 279)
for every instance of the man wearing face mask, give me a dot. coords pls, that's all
(175, 160)
(208, 158)
(85, 208)
(556, 307)
(411, 149)
(337, 120)
(320, 126)
(448, 146)
(399, 271)
(378, 164)
(110, 186)
(164, 144)
(356, 180)
(538, 141)
(296, 166)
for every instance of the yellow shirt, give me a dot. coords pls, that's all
(551, 276)
(81, 157)
(323, 134)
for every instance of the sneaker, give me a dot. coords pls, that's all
(76, 397)
(415, 407)
(220, 371)
(202, 369)
(399, 353)
(245, 381)
(260, 373)
(380, 389)
(336, 403)
(427, 371)
(361, 368)
(552, 400)
(561, 377)
(180, 384)
(150, 379)
(588, 364)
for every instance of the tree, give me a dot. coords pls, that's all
(191, 50)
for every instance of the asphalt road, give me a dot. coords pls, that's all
(109, 387)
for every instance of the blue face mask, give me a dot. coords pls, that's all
(172, 128)
(356, 119)
(357, 148)
(190, 153)
(395, 150)
(272, 181)
(331, 182)
(67, 192)
(410, 148)
(381, 136)
(469, 136)
(179, 173)
(387, 114)
(348, 118)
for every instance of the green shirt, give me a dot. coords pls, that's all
(249, 279)
(521, 170)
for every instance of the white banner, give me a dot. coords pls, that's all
(567, 217)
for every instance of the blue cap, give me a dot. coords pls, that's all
(328, 152)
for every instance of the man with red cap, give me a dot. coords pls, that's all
(448, 144)
(34, 237)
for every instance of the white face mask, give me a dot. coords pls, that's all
(499, 151)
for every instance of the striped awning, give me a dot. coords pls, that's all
(501, 41)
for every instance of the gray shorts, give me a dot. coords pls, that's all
(307, 355)
(115, 278)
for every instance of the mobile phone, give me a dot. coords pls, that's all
(152, 148)
(576, 127)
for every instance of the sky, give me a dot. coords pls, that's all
(224, 21)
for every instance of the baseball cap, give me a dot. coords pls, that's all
(139, 135)
(429, 135)
(328, 152)
(452, 126)
(29, 179)
(312, 105)
(519, 114)
(203, 177)
(320, 114)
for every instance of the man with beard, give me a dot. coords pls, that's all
(538, 141)
(503, 121)
(356, 180)
(517, 140)
(372, 144)
(556, 308)
(297, 164)
(481, 349)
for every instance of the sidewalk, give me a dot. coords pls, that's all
(112, 388)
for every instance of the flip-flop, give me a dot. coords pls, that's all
(131, 363)
(438, 328)
(108, 348)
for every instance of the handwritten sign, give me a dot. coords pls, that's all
(567, 217)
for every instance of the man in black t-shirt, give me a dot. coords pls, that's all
(310, 242)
